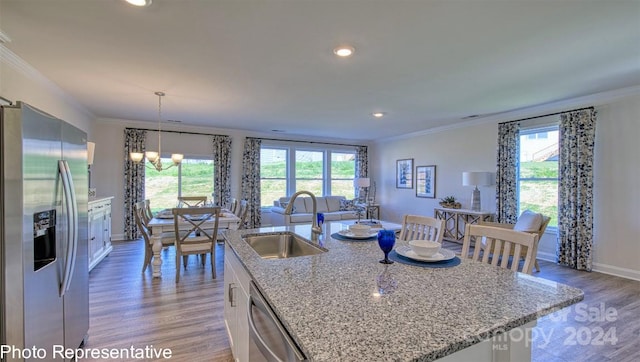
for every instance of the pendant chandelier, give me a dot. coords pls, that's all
(155, 157)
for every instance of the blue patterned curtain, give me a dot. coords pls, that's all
(575, 189)
(362, 170)
(251, 180)
(507, 171)
(222, 169)
(362, 161)
(134, 141)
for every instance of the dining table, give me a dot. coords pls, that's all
(163, 223)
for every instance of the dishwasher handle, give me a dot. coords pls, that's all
(257, 301)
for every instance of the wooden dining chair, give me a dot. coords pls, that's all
(197, 239)
(500, 244)
(192, 201)
(416, 227)
(243, 210)
(539, 231)
(232, 206)
(147, 210)
(167, 239)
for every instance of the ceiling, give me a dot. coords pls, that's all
(264, 65)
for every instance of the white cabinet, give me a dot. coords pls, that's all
(99, 215)
(236, 304)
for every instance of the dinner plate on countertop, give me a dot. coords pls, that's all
(443, 254)
(350, 235)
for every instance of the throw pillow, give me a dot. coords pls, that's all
(528, 221)
(347, 205)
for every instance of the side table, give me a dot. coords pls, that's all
(372, 210)
(455, 221)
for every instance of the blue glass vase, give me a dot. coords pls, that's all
(386, 241)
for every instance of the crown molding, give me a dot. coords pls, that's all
(595, 100)
(10, 58)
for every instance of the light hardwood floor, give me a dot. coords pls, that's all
(128, 308)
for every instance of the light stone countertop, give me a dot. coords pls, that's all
(329, 305)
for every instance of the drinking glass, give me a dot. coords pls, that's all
(386, 241)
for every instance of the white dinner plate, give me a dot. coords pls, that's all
(443, 254)
(350, 235)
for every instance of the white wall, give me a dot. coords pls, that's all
(21, 82)
(454, 150)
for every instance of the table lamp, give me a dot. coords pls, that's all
(362, 182)
(474, 178)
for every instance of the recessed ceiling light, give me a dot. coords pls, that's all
(378, 114)
(139, 2)
(344, 51)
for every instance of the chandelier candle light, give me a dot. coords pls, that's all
(476, 179)
(155, 157)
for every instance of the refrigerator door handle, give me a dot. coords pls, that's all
(72, 224)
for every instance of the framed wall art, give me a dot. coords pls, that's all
(404, 173)
(426, 181)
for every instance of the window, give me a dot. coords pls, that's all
(193, 177)
(273, 174)
(309, 169)
(343, 171)
(538, 172)
(285, 169)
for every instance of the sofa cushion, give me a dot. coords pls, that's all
(301, 217)
(299, 206)
(332, 216)
(528, 221)
(347, 205)
(321, 204)
(333, 202)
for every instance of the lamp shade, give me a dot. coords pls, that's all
(362, 182)
(91, 147)
(477, 178)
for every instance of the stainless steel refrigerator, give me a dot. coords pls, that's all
(43, 233)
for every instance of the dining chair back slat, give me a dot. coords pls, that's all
(539, 232)
(192, 201)
(498, 243)
(243, 209)
(417, 227)
(193, 236)
(233, 206)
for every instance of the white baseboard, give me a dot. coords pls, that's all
(118, 237)
(598, 267)
(617, 271)
(547, 257)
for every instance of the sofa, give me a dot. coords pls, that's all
(333, 207)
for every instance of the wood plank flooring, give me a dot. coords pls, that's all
(130, 308)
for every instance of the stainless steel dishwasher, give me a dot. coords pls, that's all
(268, 340)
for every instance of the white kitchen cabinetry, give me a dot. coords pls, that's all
(236, 304)
(99, 215)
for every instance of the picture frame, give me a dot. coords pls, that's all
(404, 173)
(426, 181)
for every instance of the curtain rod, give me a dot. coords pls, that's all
(320, 143)
(180, 132)
(547, 115)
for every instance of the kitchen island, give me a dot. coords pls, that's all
(331, 305)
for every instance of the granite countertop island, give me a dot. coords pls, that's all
(331, 305)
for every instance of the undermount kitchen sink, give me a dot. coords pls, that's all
(281, 245)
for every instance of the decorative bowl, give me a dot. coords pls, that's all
(424, 247)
